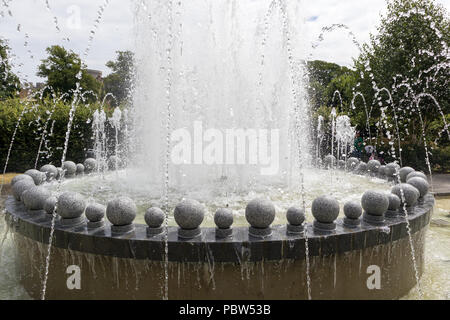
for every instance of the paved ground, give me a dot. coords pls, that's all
(441, 184)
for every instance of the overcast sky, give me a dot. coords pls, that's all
(31, 23)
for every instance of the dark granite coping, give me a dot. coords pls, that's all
(239, 248)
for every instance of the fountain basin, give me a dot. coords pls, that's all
(132, 265)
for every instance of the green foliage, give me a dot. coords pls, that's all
(9, 82)
(64, 69)
(32, 126)
(120, 81)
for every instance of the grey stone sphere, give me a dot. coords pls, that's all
(20, 186)
(420, 184)
(71, 205)
(34, 198)
(189, 214)
(50, 204)
(410, 193)
(121, 211)
(382, 170)
(155, 217)
(223, 218)
(95, 212)
(90, 165)
(50, 171)
(404, 173)
(329, 160)
(416, 174)
(352, 210)
(352, 162)
(80, 169)
(391, 169)
(361, 168)
(373, 166)
(70, 168)
(394, 202)
(325, 209)
(21, 177)
(375, 203)
(295, 216)
(260, 213)
(38, 177)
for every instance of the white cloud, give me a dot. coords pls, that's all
(116, 29)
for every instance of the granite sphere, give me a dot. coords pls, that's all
(352, 162)
(260, 213)
(50, 171)
(38, 177)
(352, 210)
(375, 203)
(295, 216)
(80, 169)
(95, 212)
(70, 167)
(420, 184)
(410, 193)
(155, 217)
(121, 211)
(189, 214)
(21, 177)
(20, 186)
(71, 205)
(373, 166)
(50, 204)
(391, 169)
(382, 171)
(34, 198)
(416, 174)
(403, 172)
(325, 209)
(223, 218)
(90, 165)
(394, 202)
(361, 168)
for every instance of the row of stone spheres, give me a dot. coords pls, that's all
(374, 207)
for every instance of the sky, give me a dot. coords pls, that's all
(30, 27)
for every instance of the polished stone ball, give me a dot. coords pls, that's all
(391, 169)
(361, 168)
(420, 184)
(80, 169)
(329, 160)
(189, 214)
(223, 218)
(121, 211)
(95, 212)
(50, 204)
(410, 193)
(38, 177)
(352, 210)
(325, 209)
(260, 213)
(34, 198)
(21, 177)
(352, 163)
(373, 166)
(404, 173)
(20, 186)
(71, 205)
(416, 174)
(155, 217)
(394, 202)
(90, 165)
(295, 216)
(375, 203)
(70, 168)
(50, 171)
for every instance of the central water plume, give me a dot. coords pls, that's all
(222, 80)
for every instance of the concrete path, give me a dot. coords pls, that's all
(441, 184)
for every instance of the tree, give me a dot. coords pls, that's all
(120, 81)
(9, 82)
(63, 69)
